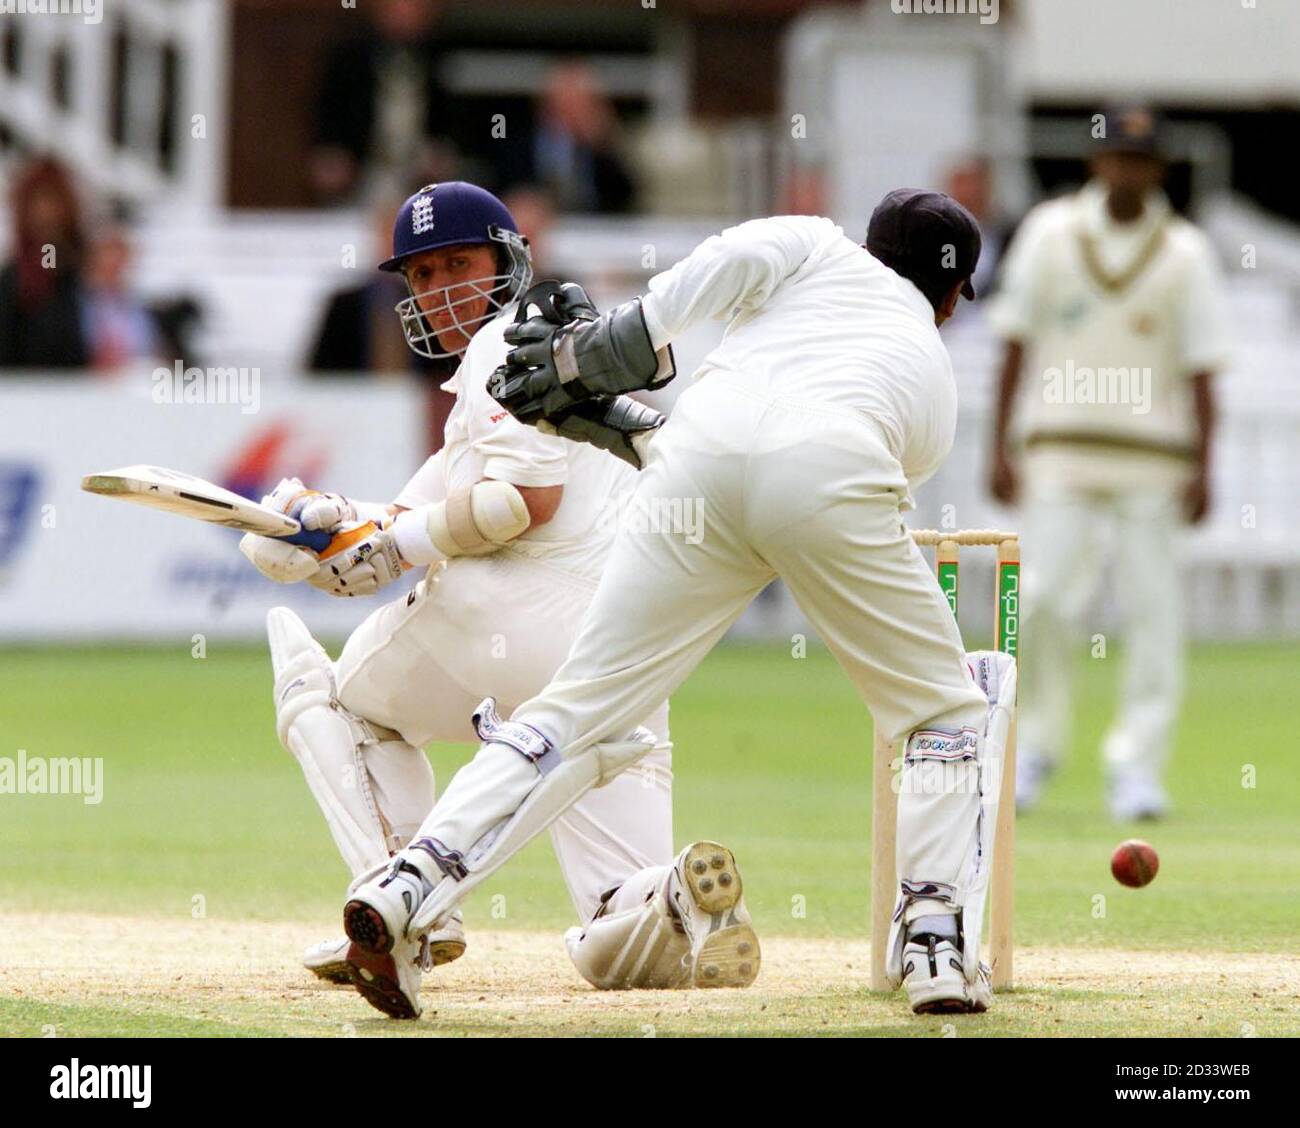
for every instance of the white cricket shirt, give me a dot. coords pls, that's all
(815, 317)
(483, 440)
(1114, 318)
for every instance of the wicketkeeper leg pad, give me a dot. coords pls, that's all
(947, 817)
(516, 786)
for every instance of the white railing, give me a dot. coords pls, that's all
(137, 162)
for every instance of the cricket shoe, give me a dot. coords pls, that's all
(932, 970)
(328, 960)
(706, 895)
(379, 909)
(384, 964)
(1137, 798)
(389, 982)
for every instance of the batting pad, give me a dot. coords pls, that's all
(323, 740)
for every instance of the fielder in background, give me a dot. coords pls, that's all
(514, 527)
(830, 397)
(1111, 307)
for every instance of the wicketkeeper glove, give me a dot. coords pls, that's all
(552, 367)
(557, 303)
(619, 425)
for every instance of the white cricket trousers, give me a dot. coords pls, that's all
(808, 492)
(501, 625)
(1065, 535)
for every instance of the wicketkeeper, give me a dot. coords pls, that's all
(829, 399)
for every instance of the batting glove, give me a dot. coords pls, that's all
(363, 566)
(328, 511)
(277, 559)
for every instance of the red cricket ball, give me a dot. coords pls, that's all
(1134, 863)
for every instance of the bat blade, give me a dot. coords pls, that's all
(174, 491)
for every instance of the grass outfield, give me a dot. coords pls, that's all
(204, 816)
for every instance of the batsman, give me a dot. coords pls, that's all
(830, 398)
(513, 527)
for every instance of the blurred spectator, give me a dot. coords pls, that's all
(970, 183)
(381, 107)
(116, 326)
(572, 150)
(360, 332)
(804, 192)
(534, 212)
(175, 319)
(40, 287)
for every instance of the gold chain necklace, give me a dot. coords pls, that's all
(1114, 283)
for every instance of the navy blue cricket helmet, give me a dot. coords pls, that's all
(451, 214)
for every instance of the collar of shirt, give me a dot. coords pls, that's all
(1099, 223)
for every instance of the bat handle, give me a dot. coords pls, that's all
(315, 539)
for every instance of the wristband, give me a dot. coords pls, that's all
(410, 531)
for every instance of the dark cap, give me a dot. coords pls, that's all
(1131, 129)
(926, 237)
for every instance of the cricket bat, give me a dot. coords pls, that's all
(174, 491)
